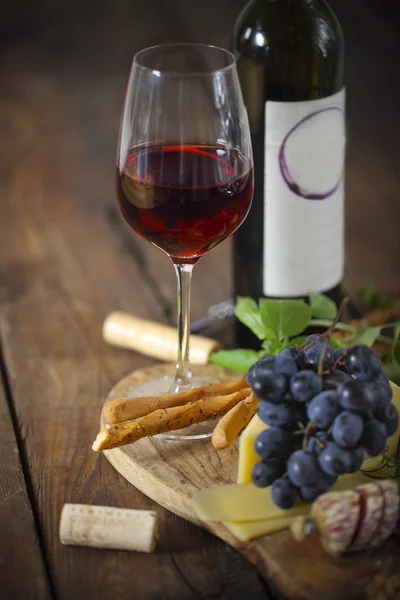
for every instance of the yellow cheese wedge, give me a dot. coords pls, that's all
(246, 502)
(249, 530)
(248, 457)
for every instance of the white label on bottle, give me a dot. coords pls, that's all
(304, 196)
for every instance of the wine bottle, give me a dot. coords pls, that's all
(290, 64)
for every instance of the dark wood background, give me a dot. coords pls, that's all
(66, 260)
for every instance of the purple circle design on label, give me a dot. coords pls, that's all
(287, 176)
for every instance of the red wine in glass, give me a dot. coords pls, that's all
(184, 198)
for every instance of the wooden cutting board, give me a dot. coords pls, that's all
(170, 472)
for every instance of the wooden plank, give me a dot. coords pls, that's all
(22, 569)
(64, 268)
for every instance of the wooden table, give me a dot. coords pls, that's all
(67, 260)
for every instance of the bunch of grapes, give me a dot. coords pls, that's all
(324, 409)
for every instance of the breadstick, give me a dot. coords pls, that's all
(125, 409)
(169, 419)
(229, 427)
(225, 387)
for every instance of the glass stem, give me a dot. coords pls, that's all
(183, 375)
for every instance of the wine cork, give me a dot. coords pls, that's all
(154, 339)
(105, 527)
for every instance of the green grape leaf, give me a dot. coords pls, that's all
(273, 346)
(238, 360)
(363, 335)
(246, 310)
(284, 318)
(268, 345)
(296, 341)
(322, 307)
(338, 343)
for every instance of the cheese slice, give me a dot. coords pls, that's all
(249, 530)
(248, 457)
(246, 502)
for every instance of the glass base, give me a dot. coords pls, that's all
(155, 387)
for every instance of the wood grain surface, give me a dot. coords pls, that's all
(67, 260)
(20, 547)
(170, 472)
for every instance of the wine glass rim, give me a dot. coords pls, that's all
(159, 72)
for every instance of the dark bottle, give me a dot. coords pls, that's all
(290, 63)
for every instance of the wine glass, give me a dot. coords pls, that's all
(184, 169)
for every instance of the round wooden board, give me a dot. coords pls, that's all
(170, 472)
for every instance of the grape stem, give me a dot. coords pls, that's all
(322, 357)
(327, 323)
(320, 443)
(341, 357)
(336, 320)
(309, 430)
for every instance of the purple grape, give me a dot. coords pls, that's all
(313, 355)
(333, 380)
(273, 442)
(304, 385)
(357, 396)
(283, 493)
(381, 391)
(335, 460)
(276, 415)
(302, 468)
(311, 492)
(268, 385)
(363, 362)
(388, 415)
(266, 471)
(347, 429)
(383, 380)
(285, 365)
(374, 437)
(293, 352)
(357, 459)
(265, 362)
(323, 408)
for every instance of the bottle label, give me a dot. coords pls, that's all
(304, 196)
